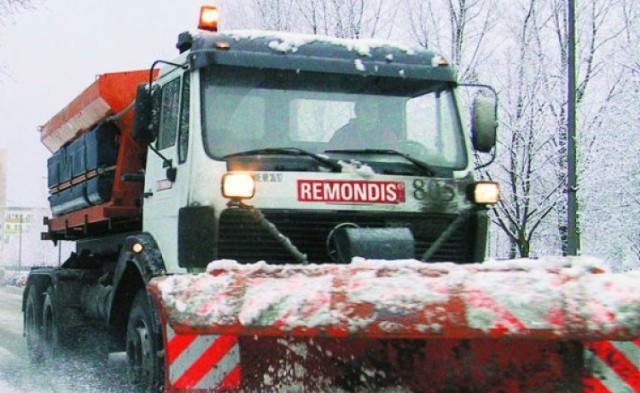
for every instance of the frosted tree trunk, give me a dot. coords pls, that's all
(597, 32)
(526, 147)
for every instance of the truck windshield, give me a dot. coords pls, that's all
(248, 108)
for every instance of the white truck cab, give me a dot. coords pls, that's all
(325, 137)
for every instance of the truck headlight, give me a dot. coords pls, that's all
(485, 193)
(238, 186)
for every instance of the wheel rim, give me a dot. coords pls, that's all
(139, 352)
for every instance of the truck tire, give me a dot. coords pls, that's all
(33, 325)
(51, 335)
(143, 346)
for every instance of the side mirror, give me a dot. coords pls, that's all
(146, 119)
(484, 123)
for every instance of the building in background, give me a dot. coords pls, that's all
(20, 244)
(20, 229)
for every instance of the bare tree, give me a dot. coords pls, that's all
(632, 64)
(276, 14)
(527, 148)
(533, 111)
(348, 18)
(595, 35)
(337, 18)
(280, 15)
(610, 198)
(634, 236)
(459, 28)
(10, 7)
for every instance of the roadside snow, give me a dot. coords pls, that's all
(4, 388)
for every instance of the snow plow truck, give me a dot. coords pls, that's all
(237, 229)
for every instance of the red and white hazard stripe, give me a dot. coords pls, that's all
(202, 362)
(610, 366)
(614, 367)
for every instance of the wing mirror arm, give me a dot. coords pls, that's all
(166, 163)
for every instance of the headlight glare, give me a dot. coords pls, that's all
(238, 186)
(486, 193)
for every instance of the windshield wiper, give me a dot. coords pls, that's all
(420, 164)
(291, 151)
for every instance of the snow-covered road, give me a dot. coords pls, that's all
(17, 375)
(12, 349)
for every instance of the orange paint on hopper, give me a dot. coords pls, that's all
(108, 95)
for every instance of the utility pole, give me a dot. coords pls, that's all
(573, 238)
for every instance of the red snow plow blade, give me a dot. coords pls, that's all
(518, 326)
(406, 299)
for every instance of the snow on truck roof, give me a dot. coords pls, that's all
(291, 42)
(308, 52)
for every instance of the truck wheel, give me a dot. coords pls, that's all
(33, 325)
(51, 336)
(143, 346)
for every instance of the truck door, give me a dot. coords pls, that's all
(166, 176)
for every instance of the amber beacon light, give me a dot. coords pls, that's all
(208, 18)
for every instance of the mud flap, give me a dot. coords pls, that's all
(201, 362)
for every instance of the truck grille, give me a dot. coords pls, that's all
(241, 237)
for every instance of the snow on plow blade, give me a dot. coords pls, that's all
(552, 299)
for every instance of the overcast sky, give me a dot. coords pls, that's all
(51, 53)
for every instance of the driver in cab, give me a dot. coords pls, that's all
(364, 130)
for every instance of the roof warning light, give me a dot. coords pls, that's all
(208, 18)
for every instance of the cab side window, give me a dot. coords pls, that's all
(169, 114)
